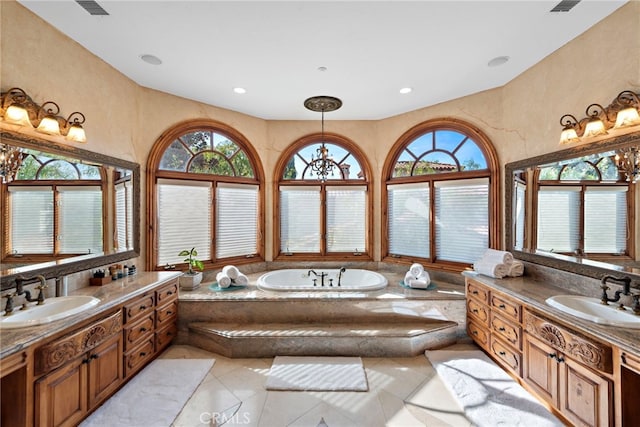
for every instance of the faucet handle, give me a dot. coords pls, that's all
(635, 303)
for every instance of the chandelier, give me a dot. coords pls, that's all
(10, 161)
(322, 163)
(628, 163)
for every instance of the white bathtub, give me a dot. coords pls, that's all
(302, 280)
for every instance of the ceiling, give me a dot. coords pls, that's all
(275, 50)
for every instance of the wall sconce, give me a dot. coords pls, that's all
(17, 108)
(628, 163)
(10, 161)
(625, 109)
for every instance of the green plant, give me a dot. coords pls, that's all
(191, 260)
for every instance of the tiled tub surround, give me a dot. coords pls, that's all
(394, 321)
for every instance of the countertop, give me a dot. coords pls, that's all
(534, 294)
(110, 295)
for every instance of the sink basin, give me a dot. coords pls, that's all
(591, 309)
(52, 309)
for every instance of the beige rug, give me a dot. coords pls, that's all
(154, 397)
(317, 374)
(488, 395)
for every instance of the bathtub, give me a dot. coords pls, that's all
(302, 280)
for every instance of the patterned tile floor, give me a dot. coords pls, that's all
(403, 392)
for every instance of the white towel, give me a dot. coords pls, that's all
(421, 282)
(416, 269)
(241, 280)
(491, 269)
(231, 271)
(224, 281)
(497, 257)
(516, 268)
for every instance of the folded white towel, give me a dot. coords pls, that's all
(497, 257)
(231, 271)
(516, 268)
(421, 282)
(408, 277)
(491, 269)
(224, 281)
(416, 269)
(241, 280)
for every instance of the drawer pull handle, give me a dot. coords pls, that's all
(502, 306)
(143, 329)
(623, 357)
(169, 292)
(94, 356)
(475, 333)
(143, 354)
(85, 361)
(475, 310)
(502, 353)
(474, 292)
(560, 359)
(501, 329)
(552, 355)
(169, 312)
(143, 307)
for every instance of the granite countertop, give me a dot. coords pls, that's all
(534, 294)
(110, 295)
(443, 290)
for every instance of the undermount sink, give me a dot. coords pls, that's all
(592, 309)
(52, 309)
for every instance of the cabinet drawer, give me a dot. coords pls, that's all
(631, 361)
(508, 357)
(137, 332)
(138, 308)
(166, 314)
(478, 333)
(137, 357)
(478, 311)
(165, 336)
(478, 292)
(167, 293)
(508, 308)
(508, 331)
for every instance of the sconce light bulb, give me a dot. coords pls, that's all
(18, 116)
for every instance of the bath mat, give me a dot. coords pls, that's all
(154, 397)
(489, 396)
(317, 374)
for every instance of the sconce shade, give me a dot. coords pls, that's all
(627, 117)
(49, 125)
(76, 134)
(568, 136)
(594, 127)
(17, 115)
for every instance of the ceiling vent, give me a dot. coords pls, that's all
(565, 6)
(92, 7)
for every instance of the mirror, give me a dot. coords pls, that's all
(614, 244)
(104, 190)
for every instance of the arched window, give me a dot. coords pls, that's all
(582, 207)
(54, 209)
(318, 215)
(440, 195)
(205, 184)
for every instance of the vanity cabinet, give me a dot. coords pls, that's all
(77, 372)
(15, 375)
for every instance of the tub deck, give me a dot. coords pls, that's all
(392, 322)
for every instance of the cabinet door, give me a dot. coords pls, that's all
(105, 370)
(61, 396)
(540, 369)
(585, 396)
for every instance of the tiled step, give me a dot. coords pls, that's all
(393, 339)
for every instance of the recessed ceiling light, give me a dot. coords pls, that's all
(151, 59)
(497, 61)
(405, 90)
(239, 90)
(322, 68)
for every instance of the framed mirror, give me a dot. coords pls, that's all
(66, 210)
(574, 210)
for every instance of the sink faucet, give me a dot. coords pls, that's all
(27, 295)
(626, 288)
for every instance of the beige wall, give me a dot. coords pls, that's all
(124, 119)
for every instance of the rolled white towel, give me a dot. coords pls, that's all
(231, 271)
(491, 269)
(241, 280)
(421, 282)
(516, 268)
(497, 257)
(224, 281)
(416, 269)
(408, 277)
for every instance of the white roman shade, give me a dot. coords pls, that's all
(409, 219)
(300, 219)
(80, 219)
(605, 219)
(31, 219)
(346, 218)
(124, 215)
(519, 223)
(237, 220)
(184, 219)
(558, 218)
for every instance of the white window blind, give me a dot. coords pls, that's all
(129, 187)
(121, 216)
(409, 219)
(299, 219)
(346, 219)
(31, 220)
(520, 192)
(462, 219)
(80, 219)
(558, 218)
(184, 219)
(605, 220)
(236, 220)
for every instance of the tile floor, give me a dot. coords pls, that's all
(403, 392)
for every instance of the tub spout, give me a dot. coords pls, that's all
(342, 270)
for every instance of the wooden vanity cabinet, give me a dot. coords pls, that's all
(16, 376)
(166, 326)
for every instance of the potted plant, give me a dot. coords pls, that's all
(191, 279)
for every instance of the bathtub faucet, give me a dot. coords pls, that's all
(342, 270)
(322, 275)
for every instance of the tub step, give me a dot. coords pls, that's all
(396, 339)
